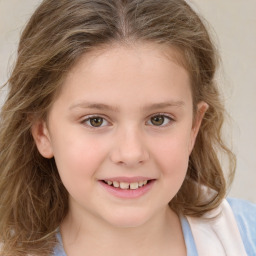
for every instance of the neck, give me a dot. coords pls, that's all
(93, 236)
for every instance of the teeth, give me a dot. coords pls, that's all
(126, 185)
(116, 184)
(141, 183)
(134, 185)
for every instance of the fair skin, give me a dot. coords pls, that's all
(124, 115)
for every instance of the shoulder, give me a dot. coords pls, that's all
(59, 250)
(243, 210)
(245, 215)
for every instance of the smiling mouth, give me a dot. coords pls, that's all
(127, 185)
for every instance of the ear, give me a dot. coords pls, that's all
(42, 139)
(199, 115)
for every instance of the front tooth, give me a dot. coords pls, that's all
(109, 183)
(124, 185)
(116, 184)
(134, 185)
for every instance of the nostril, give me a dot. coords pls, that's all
(129, 157)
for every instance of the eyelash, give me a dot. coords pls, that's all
(165, 116)
(87, 121)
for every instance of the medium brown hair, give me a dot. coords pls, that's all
(33, 200)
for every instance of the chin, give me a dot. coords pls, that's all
(128, 219)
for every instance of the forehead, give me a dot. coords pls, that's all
(147, 71)
(139, 49)
(125, 54)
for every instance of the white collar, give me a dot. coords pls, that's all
(217, 233)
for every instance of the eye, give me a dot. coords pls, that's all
(160, 120)
(95, 121)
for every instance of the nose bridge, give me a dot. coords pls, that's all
(129, 147)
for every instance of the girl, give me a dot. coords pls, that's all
(111, 136)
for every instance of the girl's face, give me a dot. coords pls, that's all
(121, 132)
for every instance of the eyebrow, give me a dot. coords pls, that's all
(164, 105)
(91, 105)
(102, 106)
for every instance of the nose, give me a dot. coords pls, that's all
(129, 149)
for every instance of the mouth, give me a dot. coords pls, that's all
(127, 185)
(127, 188)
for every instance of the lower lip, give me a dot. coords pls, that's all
(128, 193)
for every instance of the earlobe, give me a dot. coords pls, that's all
(199, 115)
(42, 139)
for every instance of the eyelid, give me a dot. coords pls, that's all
(166, 115)
(88, 117)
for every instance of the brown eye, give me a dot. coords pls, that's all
(96, 121)
(160, 120)
(157, 120)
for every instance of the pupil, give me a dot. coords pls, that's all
(96, 121)
(157, 120)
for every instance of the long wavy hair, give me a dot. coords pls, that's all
(33, 200)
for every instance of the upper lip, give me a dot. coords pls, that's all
(128, 179)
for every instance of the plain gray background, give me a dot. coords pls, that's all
(234, 30)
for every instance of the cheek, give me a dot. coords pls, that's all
(172, 155)
(172, 160)
(78, 161)
(78, 158)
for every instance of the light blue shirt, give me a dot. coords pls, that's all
(245, 214)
